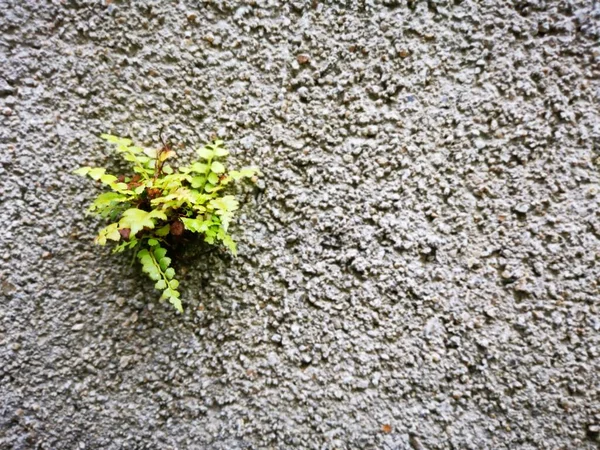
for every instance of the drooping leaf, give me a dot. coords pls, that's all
(166, 155)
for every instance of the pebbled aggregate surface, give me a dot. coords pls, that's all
(419, 265)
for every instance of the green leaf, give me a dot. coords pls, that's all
(199, 167)
(213, 178)
(220, 151)
(83, 171)
(171, 293)
(195, 225)
(230, 244)
(115, 139)
(106, 200)
(163, 231)
(228, 203)
(137, 219)
(121, 187)
(152, 272)
(151, 152)
(108, 179)
(164, 155)
(176, 303)
(173, 297)
(170, 273)
(191, 193)
(217, 167)
(205, 153)
(160, 253)
(246, 172)
(96, 172)
(149, 265)
(164, 262)
(198, 181)
(120, 247)
(110, 232)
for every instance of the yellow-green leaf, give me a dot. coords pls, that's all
(163, 231)
(217, 167)
(110, 232)
(205, 153)
(198, 167)
(108, 179)
(151, 152)
(115, 139)
(96, 172)
(136, 219)
(220, 151)
(83, 171)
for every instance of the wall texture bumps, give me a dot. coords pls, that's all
(419, 265)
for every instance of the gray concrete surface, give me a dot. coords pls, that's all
(418, 270)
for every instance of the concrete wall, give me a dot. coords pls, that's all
(419, 266)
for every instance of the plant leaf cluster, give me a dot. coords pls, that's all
(158, 203)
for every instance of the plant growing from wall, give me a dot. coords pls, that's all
(156, 204)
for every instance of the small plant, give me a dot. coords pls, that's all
(157, 203)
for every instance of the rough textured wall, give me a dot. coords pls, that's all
(419, 264)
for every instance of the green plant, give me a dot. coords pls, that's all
(157, 204)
